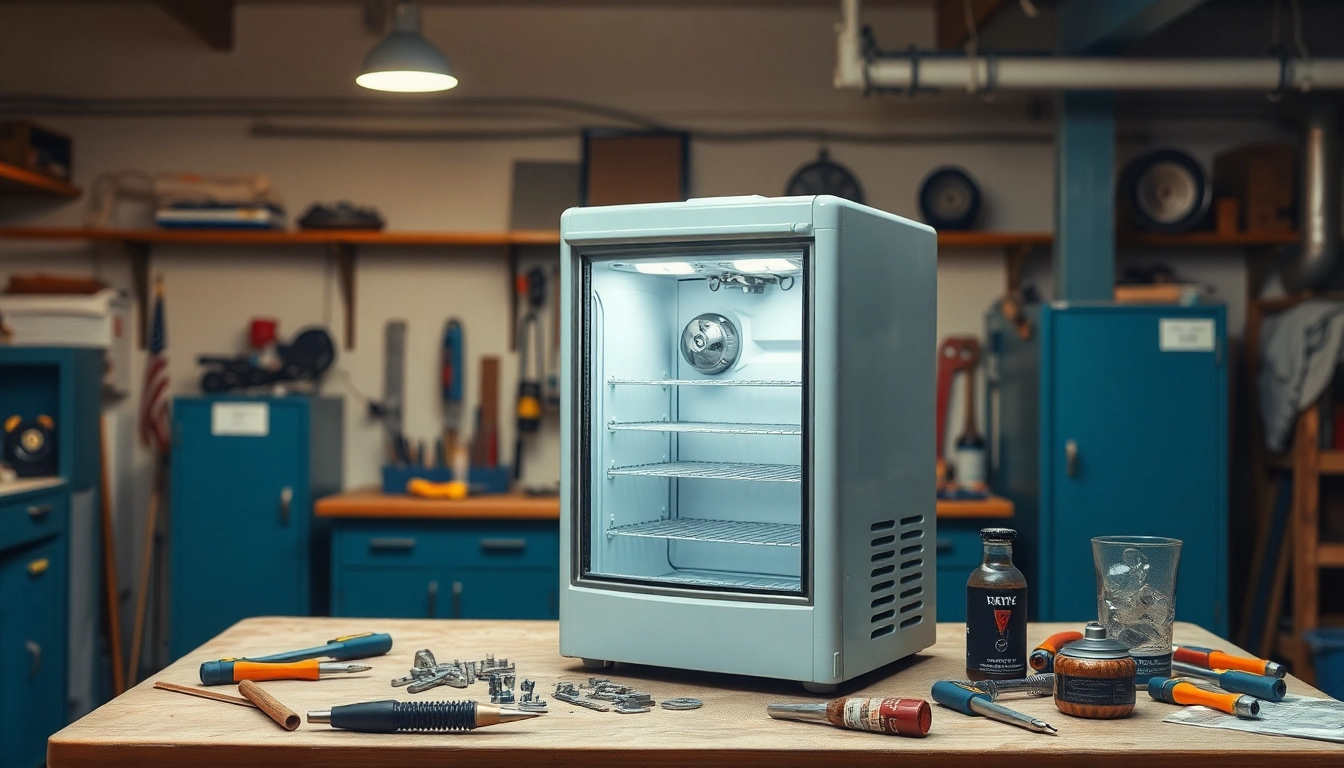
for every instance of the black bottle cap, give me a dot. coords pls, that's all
(997, 534)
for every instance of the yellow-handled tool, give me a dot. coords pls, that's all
(426, 489)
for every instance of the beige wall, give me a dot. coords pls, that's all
(698, 66)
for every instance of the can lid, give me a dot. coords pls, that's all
(997, 534)
(1095, 645)
(913, 717)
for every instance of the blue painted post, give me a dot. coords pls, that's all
(1084, 255)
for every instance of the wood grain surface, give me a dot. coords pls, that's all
(150, 728)
(372, 503)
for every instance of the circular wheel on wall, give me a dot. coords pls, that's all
(1165, 191)
(824, 176)
(949, 199)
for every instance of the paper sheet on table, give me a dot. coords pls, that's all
(1302, 716)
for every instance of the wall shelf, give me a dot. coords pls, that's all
(21, 181)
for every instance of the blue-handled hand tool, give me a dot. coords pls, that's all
(971, 701)
(450, 380)
(1235, 681)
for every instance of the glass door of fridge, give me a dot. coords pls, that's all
(694, 473)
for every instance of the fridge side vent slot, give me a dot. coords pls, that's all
(912, 621)
(908, 607)
(882, 541)
(883, 555)
(912, 520)
(912, 592)
(882, 526)
(913, 549)
(908, 564)
(884, 600)
(884, 570)
(883, 630)
(912, 577)
(915, 534)
(883, 586)
(883, 616)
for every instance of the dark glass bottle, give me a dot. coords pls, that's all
(996, 612)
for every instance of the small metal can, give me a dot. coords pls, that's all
(1094, 677)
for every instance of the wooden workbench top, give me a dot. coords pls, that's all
(28, 484)
(370, 502)
(151, 728)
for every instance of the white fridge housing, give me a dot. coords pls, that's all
(747, 417)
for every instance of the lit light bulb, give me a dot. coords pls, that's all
(666, 268)
(756, 266)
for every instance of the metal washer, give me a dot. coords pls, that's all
(685, 702)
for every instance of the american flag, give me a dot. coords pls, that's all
(154, 394)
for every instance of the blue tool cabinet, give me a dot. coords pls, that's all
(1140, 393)
(53, 665)
(245, 474)
(445, 569)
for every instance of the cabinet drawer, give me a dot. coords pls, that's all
(35, 517)
(458, 544)
(959, 544)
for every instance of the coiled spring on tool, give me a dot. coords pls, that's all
(434, 715)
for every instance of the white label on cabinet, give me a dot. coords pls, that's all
(240, 419)
(1186, 335)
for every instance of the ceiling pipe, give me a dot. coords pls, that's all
(984, 74)
(1319, 206)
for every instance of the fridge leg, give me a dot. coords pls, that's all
(596, 664)
(821, 687)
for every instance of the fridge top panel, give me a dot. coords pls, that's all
(719, 218)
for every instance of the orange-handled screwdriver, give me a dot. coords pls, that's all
(224, 672)
(1180, 692)
(1211, 659)
(1043, 658)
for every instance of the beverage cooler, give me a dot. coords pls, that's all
(748, 412)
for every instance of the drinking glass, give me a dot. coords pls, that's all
(1136, 597)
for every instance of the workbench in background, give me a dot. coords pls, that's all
(150, 728)
(496, 557)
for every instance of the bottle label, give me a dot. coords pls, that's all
(1146, 667)
(996, 631)
(871, 715)
(1101, 691)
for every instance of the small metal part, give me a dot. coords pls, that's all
(319, 716)
(425, 658)
(682, 702)
(710, 343)
(532, 705)
(446, 677)
(397, 682)
(631, 709)
(566, 692)
(635, 700)
(1032, 685)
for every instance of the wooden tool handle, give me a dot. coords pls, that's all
(284, 716)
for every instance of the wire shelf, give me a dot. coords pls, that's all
(719, 580)
(715, 470)
(719, 531)
(708, 382)
(706, 426)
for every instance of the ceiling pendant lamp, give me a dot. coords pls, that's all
(405, 62)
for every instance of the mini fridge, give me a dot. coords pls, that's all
(748, 413)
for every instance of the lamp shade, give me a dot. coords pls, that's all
(405, 61)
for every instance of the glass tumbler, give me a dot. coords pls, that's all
(1136, 597)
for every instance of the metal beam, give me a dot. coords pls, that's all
(210, 20)
(953, 31)
(1108, 25)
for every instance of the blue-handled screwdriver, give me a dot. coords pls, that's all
(971, 701)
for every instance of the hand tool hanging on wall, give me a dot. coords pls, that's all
(392, 716)
(224, 672)
(1234, 681)
(394, 378)
(971, 701)
(954, 355)
(533, 287)
(452, 381)
(970, 447)
(1175, 691)
(1211, 659)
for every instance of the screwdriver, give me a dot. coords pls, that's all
(391, 716)
(1234, 681)
(224, 672)
(1181, 692)
(1032, 685)
(971, 701)
(345, 648)
(1043, 658)
(1211, 659)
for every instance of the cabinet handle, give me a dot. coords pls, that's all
(1071, 457)
(503, 545)
(286, 501)
(402, 545)
(37, 511)
(944, 545)
(433, 591)
(34, 651)
(457, 599)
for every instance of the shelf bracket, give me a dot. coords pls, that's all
(138, 253)
(344, 253)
